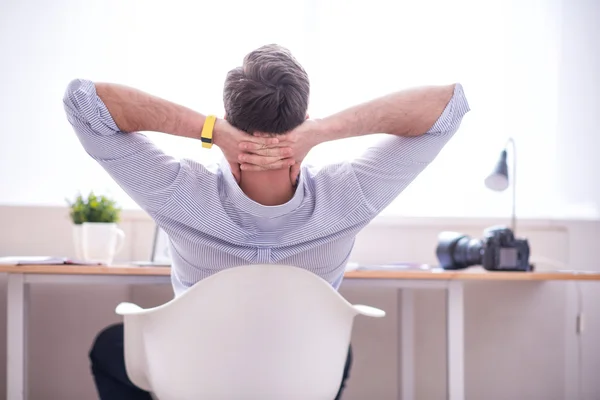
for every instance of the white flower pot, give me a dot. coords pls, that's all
(77, 229)
(97, 241)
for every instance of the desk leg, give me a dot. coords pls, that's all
(16, 347)
(407, 344)
(456, 341)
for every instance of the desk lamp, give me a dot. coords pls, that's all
(499, 180)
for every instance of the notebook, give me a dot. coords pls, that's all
(43, 260)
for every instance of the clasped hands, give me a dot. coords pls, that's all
(263, 151)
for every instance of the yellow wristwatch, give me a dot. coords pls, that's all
(207, 131)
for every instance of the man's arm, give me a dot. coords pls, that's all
(421, 126)
(106, 118)
(148, 175)
(134, 110)
(409, 112)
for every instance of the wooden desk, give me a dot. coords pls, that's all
(472, 274)
(19, 277)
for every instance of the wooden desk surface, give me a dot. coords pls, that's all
(473, 274)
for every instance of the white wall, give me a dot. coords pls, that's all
(579, 102)
(519, 344)
(528, 68)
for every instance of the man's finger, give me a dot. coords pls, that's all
(252, 147)
(287, 138)
(252, 168)
(281, 152)
(257, 160)
(276, 165)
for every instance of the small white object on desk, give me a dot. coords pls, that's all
(43, 260)
(353, 266)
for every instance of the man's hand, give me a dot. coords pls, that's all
(233, 142)
(295, 144)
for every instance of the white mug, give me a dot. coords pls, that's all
(101, 241)
(77, 229)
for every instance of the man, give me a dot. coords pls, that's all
(261, 205)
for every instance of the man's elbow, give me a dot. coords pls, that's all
(69, 96)
(449, 107)
(436, 101)
(446, 93)
(77, 91)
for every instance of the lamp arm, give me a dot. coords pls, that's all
(513, 181)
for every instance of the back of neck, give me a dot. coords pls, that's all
(269, 188)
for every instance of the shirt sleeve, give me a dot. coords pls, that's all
(385, 169)
(146, 174)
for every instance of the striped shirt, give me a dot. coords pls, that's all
(212, 225)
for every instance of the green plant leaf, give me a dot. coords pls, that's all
(93, 209)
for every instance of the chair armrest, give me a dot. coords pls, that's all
(368, 311)
(134, 345)
(128, 309)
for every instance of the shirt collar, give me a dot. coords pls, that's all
(239, 199)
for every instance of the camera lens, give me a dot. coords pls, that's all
(455, 250)
(468, 251)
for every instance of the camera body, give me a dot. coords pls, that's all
(498, 250)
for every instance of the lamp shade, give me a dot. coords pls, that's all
(498, 179)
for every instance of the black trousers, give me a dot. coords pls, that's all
(108, 368)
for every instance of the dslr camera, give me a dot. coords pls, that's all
(499, 250)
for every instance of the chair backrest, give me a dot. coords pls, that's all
(263, 331)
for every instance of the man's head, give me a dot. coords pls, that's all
(268, 93)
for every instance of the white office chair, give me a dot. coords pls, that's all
(267, 332)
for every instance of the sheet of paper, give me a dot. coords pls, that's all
(43, 260)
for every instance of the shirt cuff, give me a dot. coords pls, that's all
(82, 102)
(456, 108)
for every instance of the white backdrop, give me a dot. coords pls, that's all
(507, 54)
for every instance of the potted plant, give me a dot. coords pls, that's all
(95, 233)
